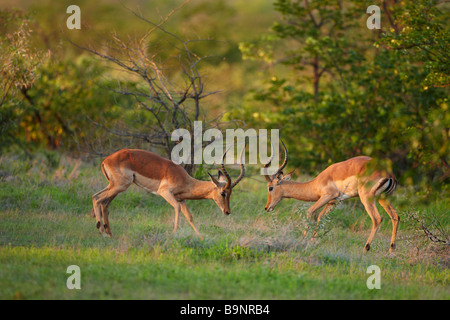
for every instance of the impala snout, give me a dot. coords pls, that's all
(222, 199)
(270, 203)
(226, 210)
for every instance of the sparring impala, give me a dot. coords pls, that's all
(340, 181)
(161, 177)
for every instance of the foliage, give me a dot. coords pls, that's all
(420, 30)
(65, 103)
(64, 106)
(19, 60)
(18, 65)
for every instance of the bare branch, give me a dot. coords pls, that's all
(171, 103)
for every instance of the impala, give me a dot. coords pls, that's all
(162, 177)
(340, 181)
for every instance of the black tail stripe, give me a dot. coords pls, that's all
(382, 184)
(388, 189)
(392, 186)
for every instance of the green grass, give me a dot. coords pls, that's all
(45, 227)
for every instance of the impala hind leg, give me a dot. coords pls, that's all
(105, 200)
(105, 213)
(96, 210)
(394, 218)
(369, 205)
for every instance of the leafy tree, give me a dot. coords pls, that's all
(66, 103)
(420, 30)
(166, 85)
(46, 103)
(421, 33)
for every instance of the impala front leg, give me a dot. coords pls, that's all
(175, 225)
(189, 218)
(168, 196)
(323, 200)
(177, 206)
(330, 205)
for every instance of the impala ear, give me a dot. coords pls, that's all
(288, 176)
(221, 177)
(280, 178)
(214, 180)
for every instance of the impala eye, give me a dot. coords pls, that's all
(223, 194)
(270, 188)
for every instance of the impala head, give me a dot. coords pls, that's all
(224, 187)
(275, 182)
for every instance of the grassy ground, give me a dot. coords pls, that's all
(45, 227)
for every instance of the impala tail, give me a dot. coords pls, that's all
(387, 186)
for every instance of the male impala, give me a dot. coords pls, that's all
(162, 177)
(338, 182)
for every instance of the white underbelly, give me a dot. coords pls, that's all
(344, 196)
(147, 184)
(348, 188)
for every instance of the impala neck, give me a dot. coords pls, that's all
(197, 189)
(303, 191)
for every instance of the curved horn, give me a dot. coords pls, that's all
(284, 162)
(242, 169)
(268, 178)
(225, 170)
